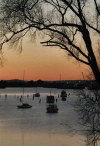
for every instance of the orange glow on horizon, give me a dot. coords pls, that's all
(39, 62)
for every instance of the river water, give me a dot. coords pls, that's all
(35, 127)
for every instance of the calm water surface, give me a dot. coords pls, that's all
(34, 127)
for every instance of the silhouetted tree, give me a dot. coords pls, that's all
(71, 25)
(88, 107)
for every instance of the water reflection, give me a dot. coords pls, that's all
(88, 107)
(34, 127)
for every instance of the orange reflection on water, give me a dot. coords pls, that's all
(15, 138)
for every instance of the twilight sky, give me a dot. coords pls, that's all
(45, 63)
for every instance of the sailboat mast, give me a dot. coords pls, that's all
(60, 77)
(83, 76)
(23, 82)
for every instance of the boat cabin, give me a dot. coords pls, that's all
(50, 99)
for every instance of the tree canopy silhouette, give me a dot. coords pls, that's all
(72, 25)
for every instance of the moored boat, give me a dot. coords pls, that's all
(63, 95)
(50, 99)
(37, 94)
(24, 106)
(52, 108)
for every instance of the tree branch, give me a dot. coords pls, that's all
(62, 46)
(67, 38)
(96, 5)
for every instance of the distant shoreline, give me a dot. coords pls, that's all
(63, 84)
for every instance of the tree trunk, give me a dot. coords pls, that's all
(92, 59)
(95, 71)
